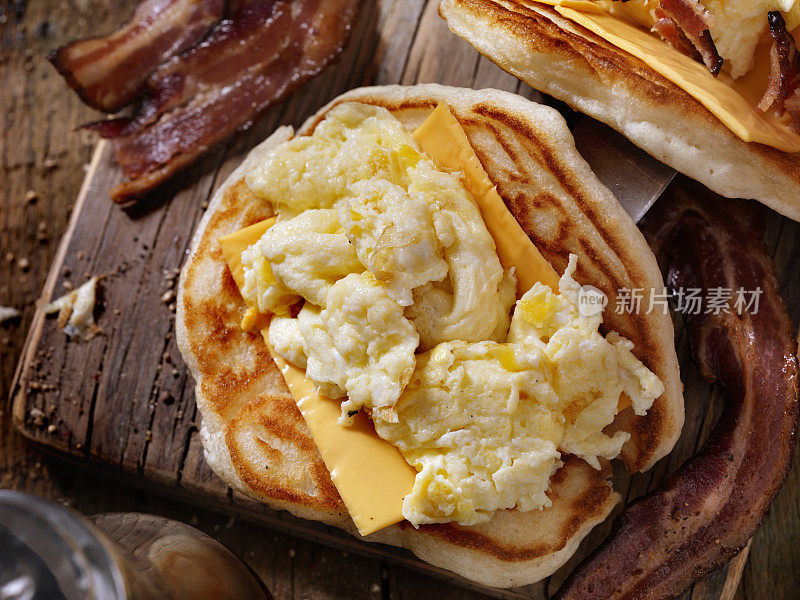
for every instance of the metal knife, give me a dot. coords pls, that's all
(633, 176)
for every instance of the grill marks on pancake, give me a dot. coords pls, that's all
(610, 270)
(272, 426)
(589, 503)
(575, 196)
(240, 390)
(543, 31)
(215, 321)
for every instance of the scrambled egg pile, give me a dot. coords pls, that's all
(358, 198)
(485, 423)
(406, 314)
(737, 29)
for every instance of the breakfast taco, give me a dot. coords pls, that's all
(707, 87)
(408, 319)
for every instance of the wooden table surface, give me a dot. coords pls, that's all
(43, 164)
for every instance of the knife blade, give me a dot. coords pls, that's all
(633, 176)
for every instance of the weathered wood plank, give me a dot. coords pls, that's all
(120, 401)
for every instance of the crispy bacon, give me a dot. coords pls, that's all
(193, 95)
(784, 65)
(260, 29)
(250, 60)
(110, 72)
(672, 34)
(792, 105)
(689, 30)
(708, 510)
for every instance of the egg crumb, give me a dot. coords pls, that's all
(76, 310)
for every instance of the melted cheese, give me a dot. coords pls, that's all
(371, 475)
(729, 101)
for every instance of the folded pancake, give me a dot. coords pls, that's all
(559, 57)
(256, 439)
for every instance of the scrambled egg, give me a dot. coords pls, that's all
(360, 345)
(473, 303)
(552, 318)
(738, 26)
(395, 236)
(358, 197)
(299, 257)
(406, 315)
(285, 338)
(481, 435)
(485, 423)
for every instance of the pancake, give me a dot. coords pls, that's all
(562, 59)
(254, 436)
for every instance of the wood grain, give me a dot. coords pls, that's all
(122, 406)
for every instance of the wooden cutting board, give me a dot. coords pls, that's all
(123, 402)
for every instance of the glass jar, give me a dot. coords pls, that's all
(50, 552)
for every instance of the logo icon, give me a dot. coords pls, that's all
(591, 301)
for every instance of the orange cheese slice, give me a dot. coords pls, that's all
(371, 475)
(725, 98)
(445, 141)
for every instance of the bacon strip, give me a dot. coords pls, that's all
(784, 65)
(109, 72)
(704, 515)
(262, 52)
(257, 29)
(689, 18)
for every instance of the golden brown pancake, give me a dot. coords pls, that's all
(254, 436)
(560, 58)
